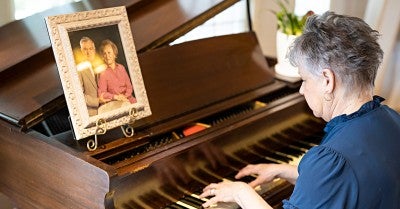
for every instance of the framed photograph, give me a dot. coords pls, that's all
(99, 69)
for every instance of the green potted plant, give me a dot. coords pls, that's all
(289, 27)
(288, 22)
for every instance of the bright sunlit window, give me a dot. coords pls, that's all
(230, 21)
(24, 8)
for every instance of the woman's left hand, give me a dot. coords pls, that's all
(225, 192)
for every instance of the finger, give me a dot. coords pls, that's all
(207, 190)
(256, 182)
(246, 171)
(210, 202)
(205, 193)
(210, 186)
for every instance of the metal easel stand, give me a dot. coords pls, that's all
(127, 129)
(101, 128)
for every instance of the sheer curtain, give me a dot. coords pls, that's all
(383, 15)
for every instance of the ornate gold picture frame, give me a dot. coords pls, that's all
(99, 69)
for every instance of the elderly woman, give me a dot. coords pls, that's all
(114, 83)
(356, 165)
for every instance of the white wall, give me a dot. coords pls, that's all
(265, 24)
(6, 11)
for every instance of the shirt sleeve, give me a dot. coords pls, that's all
(129, 89)
(326, 180)
(103, 86)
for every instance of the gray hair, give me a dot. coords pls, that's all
(346, 45)
(85, 39)
(106, 42)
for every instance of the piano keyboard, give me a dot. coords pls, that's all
(286, 146)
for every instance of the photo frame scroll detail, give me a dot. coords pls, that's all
(114, 68)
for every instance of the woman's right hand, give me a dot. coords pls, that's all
(267, 172)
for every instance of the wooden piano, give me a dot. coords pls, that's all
(222, 85)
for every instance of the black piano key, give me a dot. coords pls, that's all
(268, 153)
(275, 145)
(282, 147)
(250, 157)
(303, 136)
(192, 186)
(190, 203)
(203, 175)
(235, 163)
(221, 171)
(291, 141)
(150, 202)
(275, 190)
(158, 199)
(194, 200)
(174, 203)
(172, 191)
(313, 136)
(178, 195)
(229, 173)
(247, 179)
(316, 125)
(175, 206)
(311, 127)
(293, 133)
(283, 192)
(155, 195)
(313, 139)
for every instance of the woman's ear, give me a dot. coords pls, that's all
(328, 77)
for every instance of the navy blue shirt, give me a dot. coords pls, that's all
(357, 164)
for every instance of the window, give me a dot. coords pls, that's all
(234, 19)
(25, 8)
(230, 21)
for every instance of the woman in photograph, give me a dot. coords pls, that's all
(114, 83)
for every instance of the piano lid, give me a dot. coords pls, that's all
(200, 77)
(30, 88)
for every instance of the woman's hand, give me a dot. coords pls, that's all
(267, 172)
(239, 192)
(102, 100)
(224, 192)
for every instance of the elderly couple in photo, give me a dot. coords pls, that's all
(108, 88)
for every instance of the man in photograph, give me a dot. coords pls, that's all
(88, 75)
